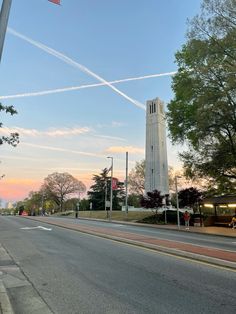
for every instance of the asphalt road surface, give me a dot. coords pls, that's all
(78, 273)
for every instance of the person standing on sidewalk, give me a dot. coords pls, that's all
(76, 210)
(233, 222)
(186, 219)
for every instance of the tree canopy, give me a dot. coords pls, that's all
(203, 111)
(98, 190)
(189, 197)
(13, 138)
(60, 186)
(101, 188)
(153, 200)
(136, 178)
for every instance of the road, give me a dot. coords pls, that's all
(78, 273)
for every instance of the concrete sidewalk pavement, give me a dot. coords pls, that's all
(220, 231)
(17, 294)
(5, 304)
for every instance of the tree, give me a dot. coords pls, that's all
(61, 186)
(189, 197)
(84, 204)
(71, 203)
(203, 111)
(98, 190)
(118, 195)
(101, 187)
(13, 138)
(152, 200)
(134, 200)
(137, 178)
(33, 202)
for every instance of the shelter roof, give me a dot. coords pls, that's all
(223, 199)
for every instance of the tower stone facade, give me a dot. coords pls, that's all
(156, 169)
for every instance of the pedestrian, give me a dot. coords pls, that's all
(186, 219)
(76, 211)
(233, 222)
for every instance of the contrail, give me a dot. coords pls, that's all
(75, 64)
(64, 150)
(72, 88)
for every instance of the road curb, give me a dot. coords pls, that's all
(5, 304)
(178, 253)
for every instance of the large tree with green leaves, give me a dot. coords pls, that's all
(13, 138)
(203, 111)
(189, 197)
(100, 190)
(152, 200)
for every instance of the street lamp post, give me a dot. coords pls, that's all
(111, 194)
(42, 203)
(177, 201)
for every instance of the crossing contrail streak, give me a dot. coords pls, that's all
(75, 64)
(73, 88)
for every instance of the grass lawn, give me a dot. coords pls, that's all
(116, 215)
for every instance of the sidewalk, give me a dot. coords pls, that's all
(220, 231)
(212, 230)
(17, 294)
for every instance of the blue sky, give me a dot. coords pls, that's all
(74, 131)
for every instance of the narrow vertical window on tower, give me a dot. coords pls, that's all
(154, 109)
(150, 109)
(161, 109)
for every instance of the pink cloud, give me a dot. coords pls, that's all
(123, 149)
(18, 189)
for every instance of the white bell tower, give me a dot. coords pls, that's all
(156, 168)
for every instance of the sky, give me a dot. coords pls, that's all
(79, 75)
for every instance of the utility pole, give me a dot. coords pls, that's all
(105, 205)
(126, 184)
(111, 194)
(106, 197)
(4, 15)
(177, 201)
